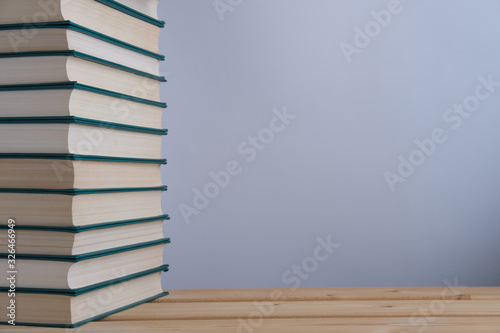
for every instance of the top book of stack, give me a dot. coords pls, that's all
(124, 32)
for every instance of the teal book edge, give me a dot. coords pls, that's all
(76, 191)
(165, 293)
(81, 121)
(84, 56)
(90, 255)
(132, 12)
(78, 229)
(87, 289)
(76, 157)
(76, 85)
(78, 28)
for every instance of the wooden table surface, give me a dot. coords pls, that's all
(356, 310)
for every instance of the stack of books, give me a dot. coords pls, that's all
(80, 155)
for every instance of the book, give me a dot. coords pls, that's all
(55, 67)
(78, 211)
(58, 272)
(147, 7)
(67, 36)
(71, 99)
(102, 16)
(67, 242)
(64, 174)
(81, 87)
(75, 138)
(43, 308)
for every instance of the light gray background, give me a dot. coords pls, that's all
(324, 173)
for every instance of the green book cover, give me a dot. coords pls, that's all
(83, 290)
(83, 322)
(89, 255)
(82, 121)
(132, 12)
(76, 85)
(76, 27)
(77, 157)
(76, 191)
(78, 229)
(76, 54)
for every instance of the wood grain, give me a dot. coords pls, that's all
(308, 309)
(326, 294)
(350, 310)
(296, 325)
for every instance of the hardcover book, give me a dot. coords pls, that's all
(41, 271)
(49, 309)
(76, 211)
(102, 16)
(61, 241)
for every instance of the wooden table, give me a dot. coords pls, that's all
(356, 310)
